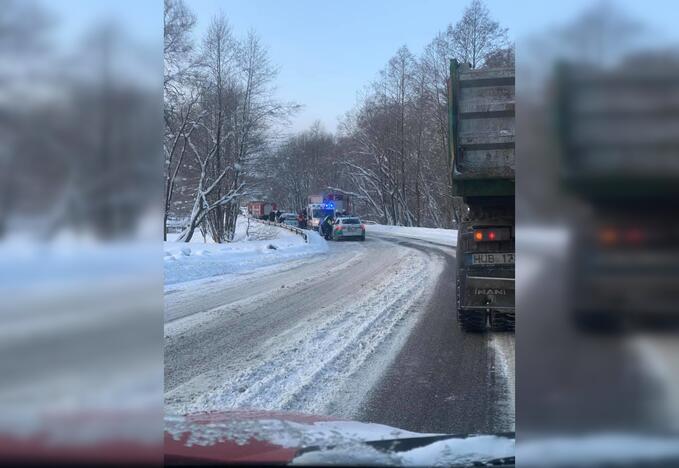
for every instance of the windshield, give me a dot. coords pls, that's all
(349, 318)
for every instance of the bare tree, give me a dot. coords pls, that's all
(24, 33)
(218, 59)
(398, 162)
(178, 24)
(179, 94)
(305, 163)
(476, 34)
(233, 131)
(391, 153)
(500, 58)
(179, 126)
(434, 65)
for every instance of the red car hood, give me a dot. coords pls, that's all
(233, 437)
(238, 436)
(87, 437)
(280, 437)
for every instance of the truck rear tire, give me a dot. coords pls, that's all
(472, 321)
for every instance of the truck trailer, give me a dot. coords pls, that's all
(482, 152)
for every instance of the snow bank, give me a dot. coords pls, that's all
(68, 308)
(441, 236)
(256, 246)
(28, 265)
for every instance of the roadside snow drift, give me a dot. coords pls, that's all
(437, 235)
(256, 246)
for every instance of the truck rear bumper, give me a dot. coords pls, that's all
(629, 295)
(488, 293)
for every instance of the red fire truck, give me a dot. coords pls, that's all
(261, 209)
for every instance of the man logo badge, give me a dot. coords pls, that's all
(490, 292)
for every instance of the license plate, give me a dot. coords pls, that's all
(493, 259)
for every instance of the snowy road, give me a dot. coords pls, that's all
(573, 381)
(360, 332)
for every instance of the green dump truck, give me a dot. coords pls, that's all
(482, 150)
(618, 134)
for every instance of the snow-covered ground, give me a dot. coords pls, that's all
(314, 333)
(78, 330)
(441, 236)
(254, 246)
(356, 305)
(538, 247)
(259, 246)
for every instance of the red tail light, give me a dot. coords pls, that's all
(634, 236)
(494, 234)
(363, 227)
(608, 236)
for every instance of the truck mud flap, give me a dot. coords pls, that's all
(482, 292)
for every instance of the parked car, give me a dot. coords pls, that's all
(349, 227)
(280, 218)
(288, 218)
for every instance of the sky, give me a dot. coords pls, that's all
(328, 51)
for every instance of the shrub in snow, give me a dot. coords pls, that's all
(186, 251)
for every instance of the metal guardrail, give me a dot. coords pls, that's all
(296, 230)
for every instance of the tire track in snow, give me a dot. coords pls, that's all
(245, 295)
(502, 346)
(203, 296)
(205, 350)
(306, 368)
